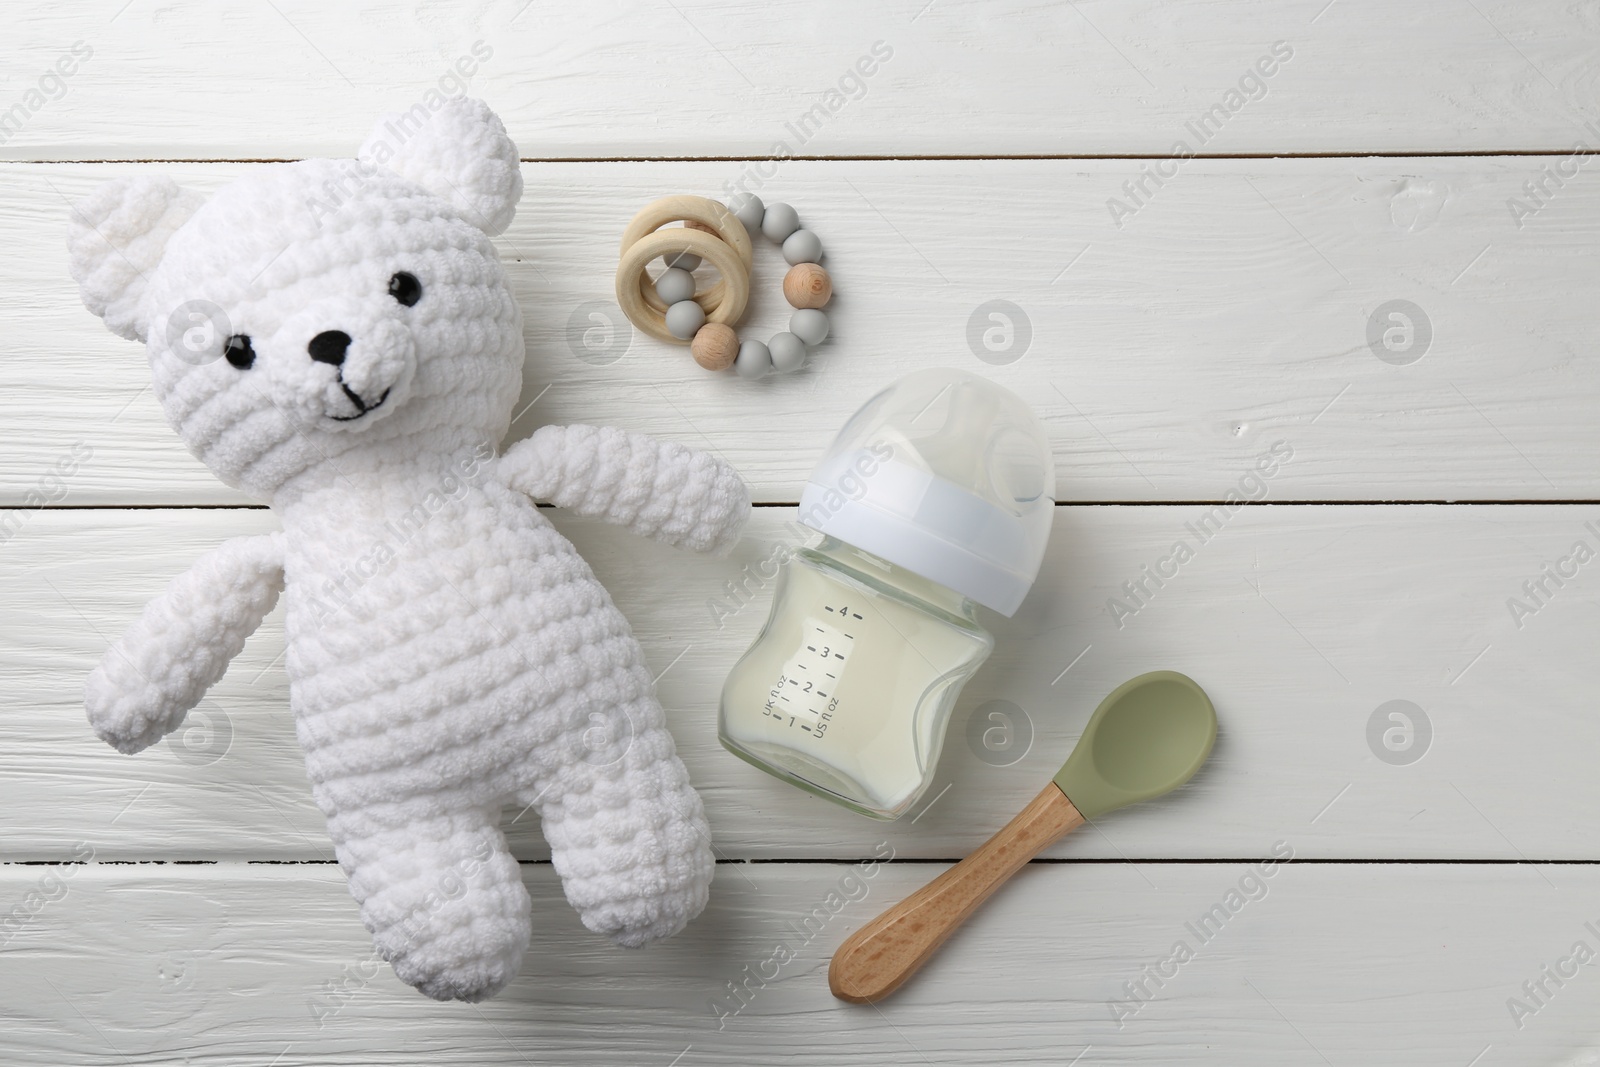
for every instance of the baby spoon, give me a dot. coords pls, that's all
(1146, 739)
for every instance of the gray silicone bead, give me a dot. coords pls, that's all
(802, 246)
(684, 319)
(682, 260)
(788, 352)
(779, 221)
(810, 325)
(748, 209)
(754, 359)
(674, 285)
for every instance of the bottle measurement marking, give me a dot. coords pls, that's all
(806, 704)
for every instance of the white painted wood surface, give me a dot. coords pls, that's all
(1232, 310)
(234, 964)
(1229, 312)
(1357, 605)
(610, 78)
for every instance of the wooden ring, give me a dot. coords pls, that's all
(632, 281)
(711, 216)
(727, 246)
(686, 208)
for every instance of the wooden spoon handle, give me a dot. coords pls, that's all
(876, 959)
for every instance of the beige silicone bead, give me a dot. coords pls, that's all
(807, 285)
(715, 346)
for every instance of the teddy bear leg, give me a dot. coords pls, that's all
(442, 896)
(627, 833)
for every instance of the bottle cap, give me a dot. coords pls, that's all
(945, 474)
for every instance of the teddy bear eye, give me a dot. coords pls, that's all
(405, 288)
(239, 352)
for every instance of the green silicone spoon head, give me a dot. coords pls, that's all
(1147, 738)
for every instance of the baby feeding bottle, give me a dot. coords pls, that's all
(935, 497)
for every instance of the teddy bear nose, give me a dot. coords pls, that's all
(329, 346)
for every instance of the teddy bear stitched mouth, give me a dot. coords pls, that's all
(362, 406)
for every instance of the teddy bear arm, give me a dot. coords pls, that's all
(183, 642)
(658, 489)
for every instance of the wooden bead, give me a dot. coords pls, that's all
(807, 285)
(715, 346)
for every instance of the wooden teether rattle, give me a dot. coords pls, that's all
(671, 310)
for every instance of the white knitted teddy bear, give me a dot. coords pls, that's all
(338, 338)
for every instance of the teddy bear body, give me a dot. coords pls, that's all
(481, 666)
(340, 340)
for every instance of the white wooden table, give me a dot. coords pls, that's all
(181, 906)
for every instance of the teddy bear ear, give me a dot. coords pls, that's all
(115, 240)
(460, 152)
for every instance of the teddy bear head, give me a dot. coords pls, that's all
(323, 317)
